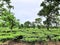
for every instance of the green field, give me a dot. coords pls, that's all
(30, 34)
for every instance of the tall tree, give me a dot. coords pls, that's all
(33, 25)
(45, 23)
(56, 20)
(5, 12)
(38, 21)
(21, 25)
(5, 4)
(27, 24)
(8, 18)
(50, 8)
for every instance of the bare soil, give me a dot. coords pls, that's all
(26, 43)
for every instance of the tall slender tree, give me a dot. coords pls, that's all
(50, 9)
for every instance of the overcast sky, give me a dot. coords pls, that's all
(26, 9)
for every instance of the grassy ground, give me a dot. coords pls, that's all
(29, 34)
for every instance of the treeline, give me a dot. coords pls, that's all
(50, 10)
(38, 23)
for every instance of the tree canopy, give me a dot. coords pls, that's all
(7, 17)
(50, 9)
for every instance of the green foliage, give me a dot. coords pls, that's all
(6, 16)
(50, 10)
(21, 25)
(5, 3)
(30, 34)
(33, 25)
(9, 20)
(38, 26)
(27, 24)
(38, 21)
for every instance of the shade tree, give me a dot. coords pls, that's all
(50, 9)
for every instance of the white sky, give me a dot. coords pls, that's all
(26, 9)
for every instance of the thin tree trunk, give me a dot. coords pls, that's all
(47, 23)
(56, 25)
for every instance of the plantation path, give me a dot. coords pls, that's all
(25, 43)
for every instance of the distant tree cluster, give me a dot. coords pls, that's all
(35, 24)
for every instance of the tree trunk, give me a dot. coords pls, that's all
(56, 25)
(12, 24)
(47, 23)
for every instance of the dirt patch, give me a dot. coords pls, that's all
(26, 43)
